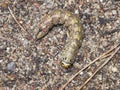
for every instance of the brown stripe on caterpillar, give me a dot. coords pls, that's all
(74, 37)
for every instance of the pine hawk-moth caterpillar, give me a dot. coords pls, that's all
(74, 37)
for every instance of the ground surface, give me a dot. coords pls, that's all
(29, 65)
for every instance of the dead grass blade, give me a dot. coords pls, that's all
(99, 69)
(23, 30)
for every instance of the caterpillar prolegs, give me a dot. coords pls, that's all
(74, 37)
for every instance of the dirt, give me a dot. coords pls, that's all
(27, 64)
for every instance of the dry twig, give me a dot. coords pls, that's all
(101, 56)
(23, 30)
(99, 69)
(15, 19)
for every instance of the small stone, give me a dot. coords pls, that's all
(76, 11)
(81, 73)
(1, 60)
(89, 73)
(100, 77)
(114, 12)
(113, 69)
(102, 0)
(25, 42)
(87, 10)
(88, 0)
(118, 21)
(11, 66)
(77, 65)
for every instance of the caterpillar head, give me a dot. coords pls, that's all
(66, 58)
(66, 62)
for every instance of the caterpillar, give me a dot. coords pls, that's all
(74, 36)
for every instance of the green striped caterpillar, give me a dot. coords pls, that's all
(74, 37)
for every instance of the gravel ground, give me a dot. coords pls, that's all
(26, 64)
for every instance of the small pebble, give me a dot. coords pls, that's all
(113, 69)
(114, 12)
(77, 11)
(11, 66)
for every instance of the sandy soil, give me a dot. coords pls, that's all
(26, 64)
